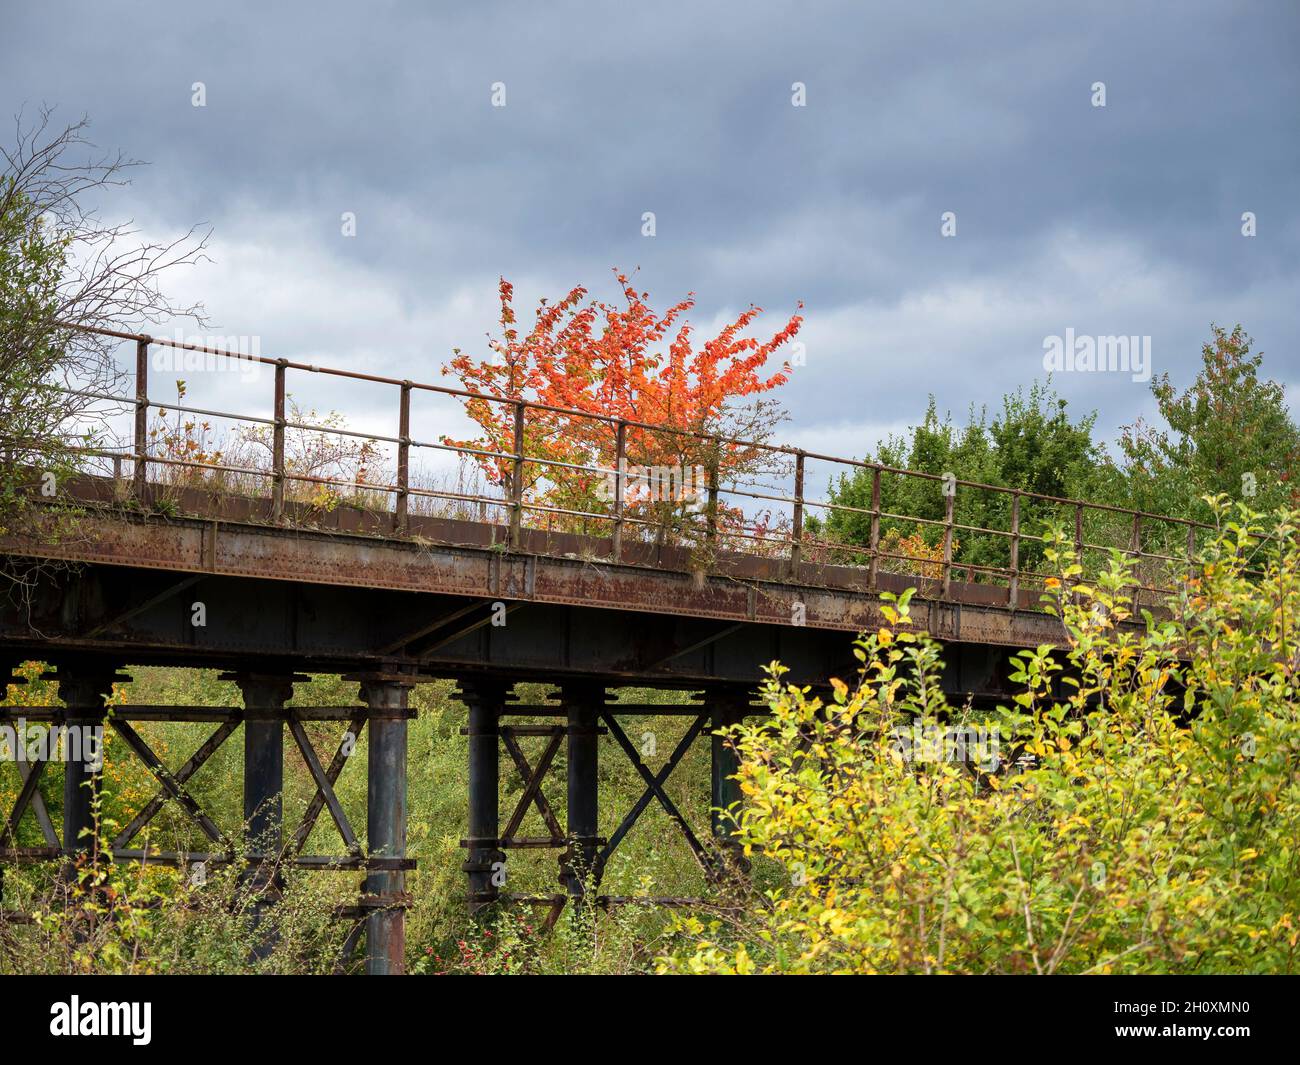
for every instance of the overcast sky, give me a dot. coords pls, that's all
(1122, 219)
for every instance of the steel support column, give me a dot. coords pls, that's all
(386, 697)
(728, 708)
(485, 699)
(82, 690)
(583, 704)
(264, 714)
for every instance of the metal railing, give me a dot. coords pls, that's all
(1160, 545)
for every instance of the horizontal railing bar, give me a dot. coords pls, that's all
(437, 446)
(218, 467)
(307, 428)
(460, 497)
(543, 508)
(210, 413)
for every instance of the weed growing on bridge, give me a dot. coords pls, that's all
(323, 469)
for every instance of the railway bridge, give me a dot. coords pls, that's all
(151, 557)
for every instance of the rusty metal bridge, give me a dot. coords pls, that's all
(387, 577)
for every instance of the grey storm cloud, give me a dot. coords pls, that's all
(1117, 220)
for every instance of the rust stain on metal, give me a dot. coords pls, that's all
(330, 558)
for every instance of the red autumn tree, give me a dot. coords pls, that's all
(626, 362)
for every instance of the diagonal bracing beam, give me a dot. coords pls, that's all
(319, 800)
(427, 646)
(718, 634)
(431, 626)
(532, 779)
(140, 608)
(655, 789)
(192, 766)
(324, 786)
(174, 788)
(38, 806)
(29, 788)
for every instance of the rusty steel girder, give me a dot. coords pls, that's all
(215, 548)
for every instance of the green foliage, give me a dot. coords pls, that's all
(165, 923)
(1144, 818)
(103, 917)
(62, 266)
(32, 260)
(1033, 444)
(1230, 433)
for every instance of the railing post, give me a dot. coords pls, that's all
(620, 467)
(277, 446)
(874, 566)
(950, 498)
(140, 475)
(517, 480)
(403, 461)
(796, 531)
(1013, 594)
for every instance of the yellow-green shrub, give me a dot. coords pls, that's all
(1145, 816)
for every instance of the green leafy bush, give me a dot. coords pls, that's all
(1143, 817)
